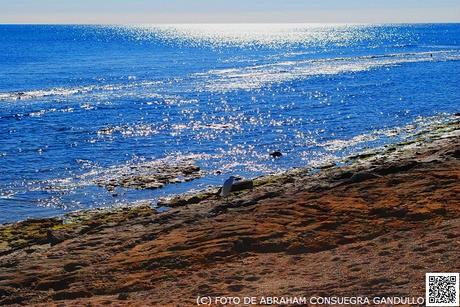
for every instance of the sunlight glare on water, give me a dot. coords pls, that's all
(273, 35)
(95, 100)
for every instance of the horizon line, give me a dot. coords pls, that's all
(230, 23)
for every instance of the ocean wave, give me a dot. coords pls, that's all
(404, 132)
(136, 130)
(71, 91)
(253, 77)
(246, 77)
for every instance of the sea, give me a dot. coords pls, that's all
(80, 102)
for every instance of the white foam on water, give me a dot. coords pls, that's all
(404, 132)
(257, 76)
(136, 130)
(71, 91)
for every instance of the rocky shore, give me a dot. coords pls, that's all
(372, 226)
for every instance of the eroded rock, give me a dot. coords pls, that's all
(152, 175)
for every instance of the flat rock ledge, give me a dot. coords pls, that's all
(373, 226)
(150, 175)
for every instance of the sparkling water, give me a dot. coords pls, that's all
(79, 102)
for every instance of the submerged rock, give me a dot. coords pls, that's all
(276, 154)
(392, 213)
(152, 175)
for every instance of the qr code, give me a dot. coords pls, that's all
(442, 289)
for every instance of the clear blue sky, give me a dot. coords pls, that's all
(225, 11)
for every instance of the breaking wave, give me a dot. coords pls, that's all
(252, 77)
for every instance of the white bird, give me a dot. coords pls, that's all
(227, 187)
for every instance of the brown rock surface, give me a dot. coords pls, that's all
(373, 228)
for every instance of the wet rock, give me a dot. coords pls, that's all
(12, 300)
(245, 203)
(392, 211)
(19, 95)
(427, 212)
(243, 244)
(6, 291)
(74, 266)
(57, 236)
(25, 234)
(276, 154)
(362, 176)
(152, 175)
(278, 230)
(106, 131)
(396, 167)
(186, 199)
(235, 288)
(190, 169)
(70, 295)
(296, 248)
(454, 153)
(343, 175)
(150, 185)
(326, 166)
(56, 283)
(240, 186)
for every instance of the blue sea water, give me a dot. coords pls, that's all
(81, 102)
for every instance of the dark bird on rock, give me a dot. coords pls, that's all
(276, 154)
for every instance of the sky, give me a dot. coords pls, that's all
(228, 11)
